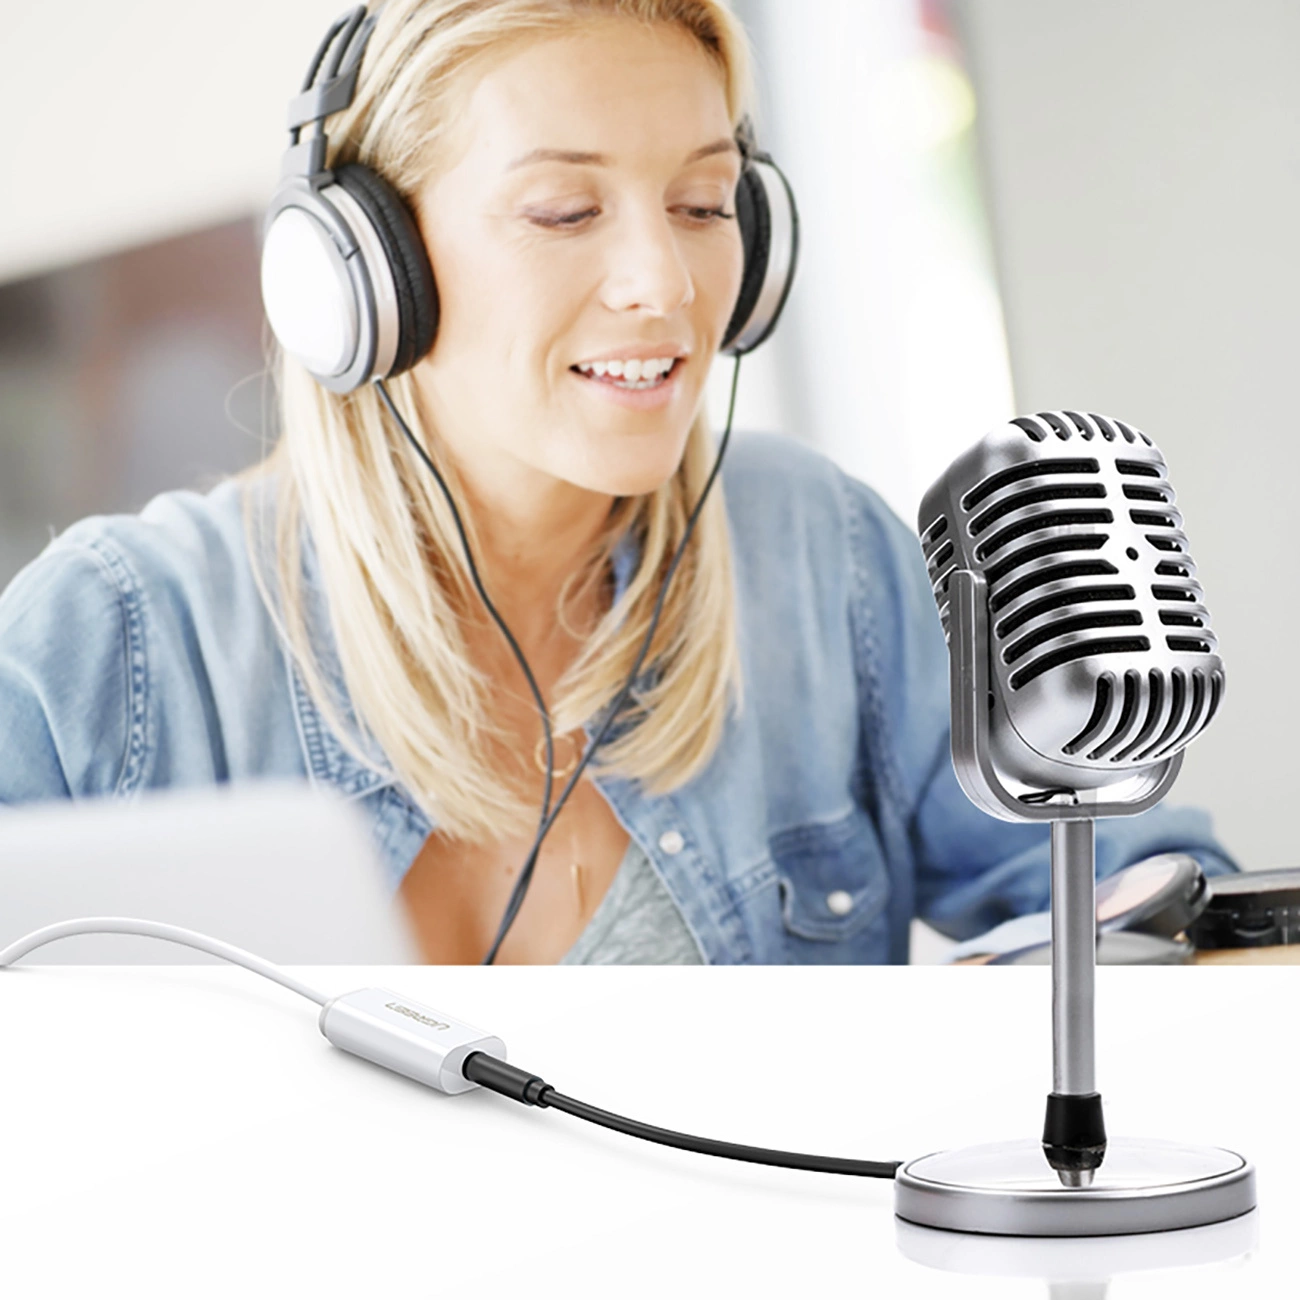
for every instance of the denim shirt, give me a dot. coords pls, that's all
(136, 652)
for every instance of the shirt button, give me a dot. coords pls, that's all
(672, 842)
(840, 902)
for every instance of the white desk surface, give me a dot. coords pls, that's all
(187, 1131)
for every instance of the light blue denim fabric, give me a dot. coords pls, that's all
(136, 652)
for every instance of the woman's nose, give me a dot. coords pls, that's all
(646, 269)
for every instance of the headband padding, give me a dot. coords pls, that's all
(399, 236)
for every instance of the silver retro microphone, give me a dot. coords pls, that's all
(1071, 606)
(1081, 665)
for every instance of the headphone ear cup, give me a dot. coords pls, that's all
(408, 261)
(755, 238)
(769, 233)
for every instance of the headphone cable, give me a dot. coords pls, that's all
(549, 815)
(487, 600)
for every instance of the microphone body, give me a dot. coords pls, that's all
(1073, 615)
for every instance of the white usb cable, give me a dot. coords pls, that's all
(156, 930)
(378, 1024)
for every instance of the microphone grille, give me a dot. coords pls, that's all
(1096, 618)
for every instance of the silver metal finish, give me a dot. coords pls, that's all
(1081, 1260)
(1099, 647)
(983, 774)
(1008, 1188)
(378, 275)
(1074, 941)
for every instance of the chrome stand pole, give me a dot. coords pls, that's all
(1074, 1137)
(1074, 957)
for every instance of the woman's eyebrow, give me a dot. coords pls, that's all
(602, 160)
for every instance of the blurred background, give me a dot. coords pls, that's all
(1006, 207)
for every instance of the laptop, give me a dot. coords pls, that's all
(284, 870)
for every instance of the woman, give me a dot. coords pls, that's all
(571, 167)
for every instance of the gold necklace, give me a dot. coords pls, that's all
(559, 774)
(539, 756)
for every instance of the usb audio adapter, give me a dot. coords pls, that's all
(404, 1035)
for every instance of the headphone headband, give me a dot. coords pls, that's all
(317, 100)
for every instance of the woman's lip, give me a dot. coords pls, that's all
(637, 399)
(651, 353)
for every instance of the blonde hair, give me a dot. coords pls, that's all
(389, 560)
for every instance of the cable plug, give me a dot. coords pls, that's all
(509, 1080)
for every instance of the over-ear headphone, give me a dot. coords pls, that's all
(346, 279)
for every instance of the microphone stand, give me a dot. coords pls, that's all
(1074, 1124)
(1074, 1182)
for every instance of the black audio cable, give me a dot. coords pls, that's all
(548, 814)
(520, 1085)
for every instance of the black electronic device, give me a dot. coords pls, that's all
(1256, 909)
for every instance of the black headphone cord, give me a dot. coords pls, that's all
(548, 814)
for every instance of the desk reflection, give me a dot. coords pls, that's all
(1076, 1268)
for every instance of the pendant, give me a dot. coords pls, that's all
(539, 756)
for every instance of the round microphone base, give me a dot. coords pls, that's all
(1009, 1189)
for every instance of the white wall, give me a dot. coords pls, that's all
(136, 120)
(1143, 172)
(891, 356)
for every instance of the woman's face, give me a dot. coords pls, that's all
(586, 224)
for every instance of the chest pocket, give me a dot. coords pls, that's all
(832, 877)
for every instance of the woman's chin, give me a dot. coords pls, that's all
(628, 466)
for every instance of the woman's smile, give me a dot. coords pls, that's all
(640, 384)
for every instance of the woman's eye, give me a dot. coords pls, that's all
(708, 216)
(561, 218)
